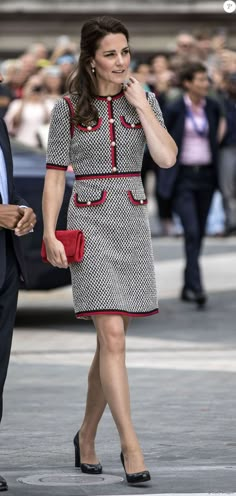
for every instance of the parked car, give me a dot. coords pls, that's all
(29, 172)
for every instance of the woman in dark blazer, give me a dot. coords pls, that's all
(194, 121)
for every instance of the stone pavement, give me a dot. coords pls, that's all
(182, 372)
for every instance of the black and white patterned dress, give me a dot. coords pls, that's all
(109, 205)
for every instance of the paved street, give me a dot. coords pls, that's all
(182, 371)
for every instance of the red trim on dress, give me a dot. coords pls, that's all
(106, 176)
(90, 203)
(126, 124)
(89, 129)
(57, 167)
(114, 97)
(112, 134)
(116, 312)
(134, 201)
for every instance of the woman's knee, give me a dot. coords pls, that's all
(111, 335)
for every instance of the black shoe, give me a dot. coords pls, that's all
(86, 468)
(3, 484)
(192, 296)
(137, 477)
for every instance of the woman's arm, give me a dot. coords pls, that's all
(58, 159)
(161, 145)
(53, 193)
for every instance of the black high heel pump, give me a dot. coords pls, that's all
(137, 477)
(86, 468)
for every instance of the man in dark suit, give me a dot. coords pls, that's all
(194, 121)
(16, 219)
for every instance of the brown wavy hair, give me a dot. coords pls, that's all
(82, 81)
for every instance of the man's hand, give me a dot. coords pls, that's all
(10, 215)
(26, 222)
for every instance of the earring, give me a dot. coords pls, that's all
(93, 69)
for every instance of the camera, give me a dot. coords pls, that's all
(37, 89)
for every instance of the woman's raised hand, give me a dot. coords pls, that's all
(134, 93)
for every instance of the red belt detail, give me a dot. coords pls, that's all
(107, 176)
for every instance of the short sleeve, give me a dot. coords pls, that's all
(152, 100)
(59, 137)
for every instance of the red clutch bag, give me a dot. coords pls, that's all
(73, 241)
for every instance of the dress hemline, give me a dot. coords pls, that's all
(116, 312)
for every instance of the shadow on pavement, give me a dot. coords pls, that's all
(176, 320)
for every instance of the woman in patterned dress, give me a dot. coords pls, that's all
(101, 128)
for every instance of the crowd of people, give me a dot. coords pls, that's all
(37, 78)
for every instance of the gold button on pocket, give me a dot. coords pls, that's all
(130, 125)
(134, 198)
(99, 198)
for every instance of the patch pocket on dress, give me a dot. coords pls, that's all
(130, 125)
(90, 128)
(79, 202)
(137, 198)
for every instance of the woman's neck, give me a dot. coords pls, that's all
(109, 89)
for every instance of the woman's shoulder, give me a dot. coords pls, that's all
(66, 98)
(64, 104)
(71, 97)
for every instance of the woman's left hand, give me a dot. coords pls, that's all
(134, 93)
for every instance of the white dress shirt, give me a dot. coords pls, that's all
(3, 178)
(3, 181)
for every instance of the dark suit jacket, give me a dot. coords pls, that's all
(15, 199)
(174, 116)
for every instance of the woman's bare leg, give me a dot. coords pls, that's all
(95, 406)
(114, 383)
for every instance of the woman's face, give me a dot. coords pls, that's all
(34, 89)
(52, 82)
(112, 60)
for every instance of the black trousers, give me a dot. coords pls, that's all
(192, 200)
(8, 303)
